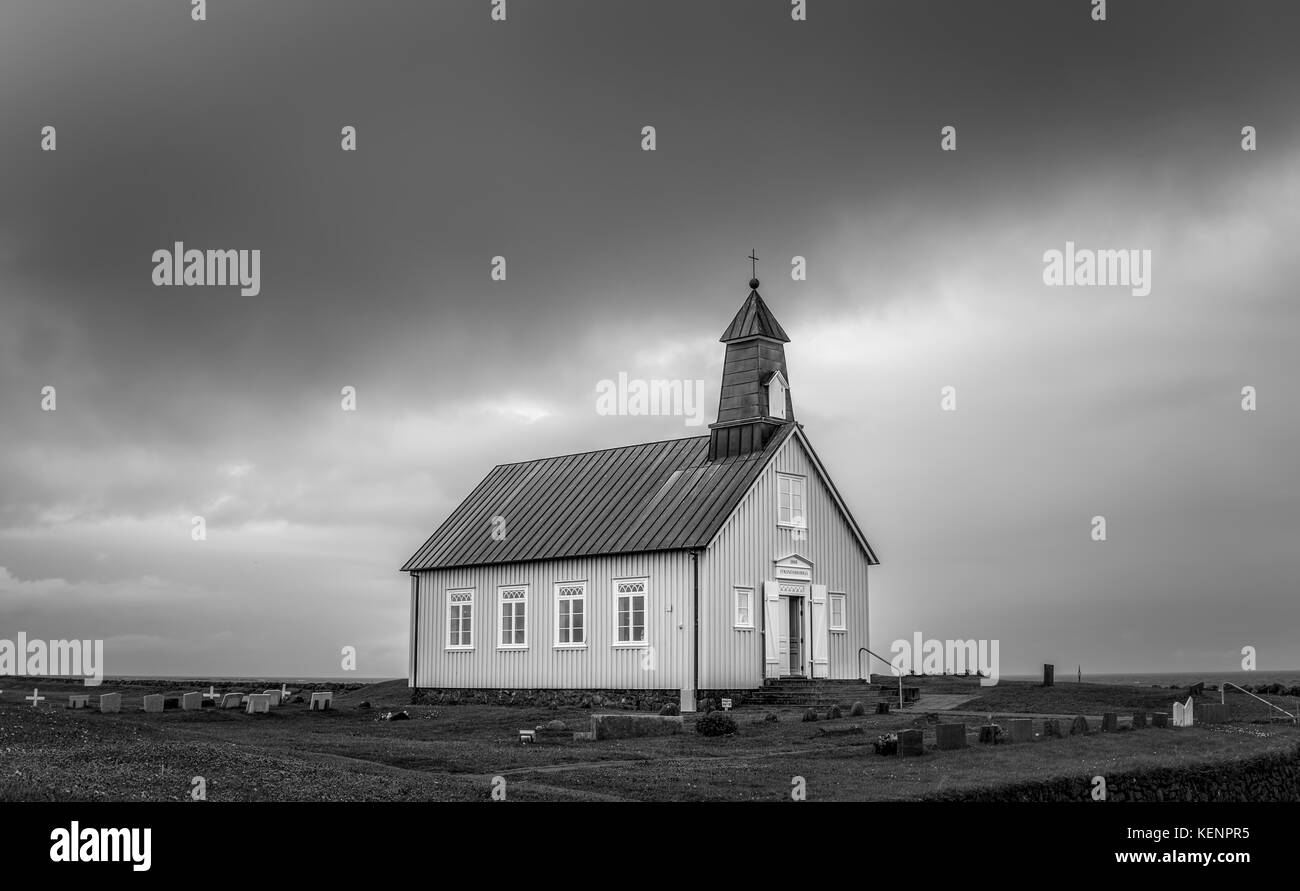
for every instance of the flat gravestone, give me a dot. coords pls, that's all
(321, 701)
(1052, 728)
(274, 694)
(1159, 719)
(1020, 730)
(631, 726)
(910, 743)
(153, 702)
(1139, 720)
(1079, 725)
(1109, 722)
(79, 700)
(950, 736)
(259, 704)
(110, 702)
(232, 700)
(192, 702)
(1213, 713)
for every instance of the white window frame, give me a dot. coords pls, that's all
(586, 617)
(645, 612)
(831, 599)
(792, 479)
(776, 397)
(748, 592)
(502, 600)
(455, 596)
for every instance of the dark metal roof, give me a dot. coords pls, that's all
(650, 497)
(754, 320)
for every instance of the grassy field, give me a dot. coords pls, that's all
(452, 753)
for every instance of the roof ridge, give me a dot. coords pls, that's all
(631, 445)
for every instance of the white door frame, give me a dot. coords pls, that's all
(791, 591)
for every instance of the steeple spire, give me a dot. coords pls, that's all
(755, 398)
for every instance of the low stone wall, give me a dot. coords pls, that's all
(631, 700)
(1271, 777)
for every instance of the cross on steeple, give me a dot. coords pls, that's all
(753, 266)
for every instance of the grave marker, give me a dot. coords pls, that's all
(1183, 713)
(1109, 722)
(35, 699)
(1048, 672)
(192, 702)
(989, 733)
(950, 736)
(274, 694)
(153, 702)
(1139, 720)
(1052, 728)
(79, 700)
(321, 701)
(1159, 719)
(1079, 726)
(232, 700)
(910, 743)
(1020, 730)
(110, 702)
(259, 704)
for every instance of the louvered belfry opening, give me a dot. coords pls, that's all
(755, 352)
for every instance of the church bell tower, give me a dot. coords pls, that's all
(755, 399)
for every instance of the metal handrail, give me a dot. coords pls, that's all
(862, 650)
(1223, 699)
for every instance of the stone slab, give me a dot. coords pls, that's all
(192, 702)
(1079, 726)
(633, 726)
(321, 701)
(1020, 730)
(232, 700)
(110, 702)
(1213, 713)
(910, 743)
(153, 702)
(258, 704)
(1109, 722)
(274, 694)
(950, 736)
(79, 700)
(1139, 720)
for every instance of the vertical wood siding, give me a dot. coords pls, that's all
(600, 665)
(743, 553)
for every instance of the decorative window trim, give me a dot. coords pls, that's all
(803, 501)
(466, 597)
(644, 594)
(736, 591)
(586, 623)
(502, 600)
(830, 611)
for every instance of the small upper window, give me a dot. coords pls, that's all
(744, 607)
(790, 500)
(776, 387)
(837, 612)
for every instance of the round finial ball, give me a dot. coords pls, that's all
(753, 283)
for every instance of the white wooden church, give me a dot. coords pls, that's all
(703, 564)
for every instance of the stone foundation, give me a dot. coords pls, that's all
(631, 700)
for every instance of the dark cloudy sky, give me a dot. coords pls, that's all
(523, 139)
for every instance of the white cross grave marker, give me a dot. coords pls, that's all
(35, 699)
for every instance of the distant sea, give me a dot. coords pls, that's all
(237, 679)
(1181, 678)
